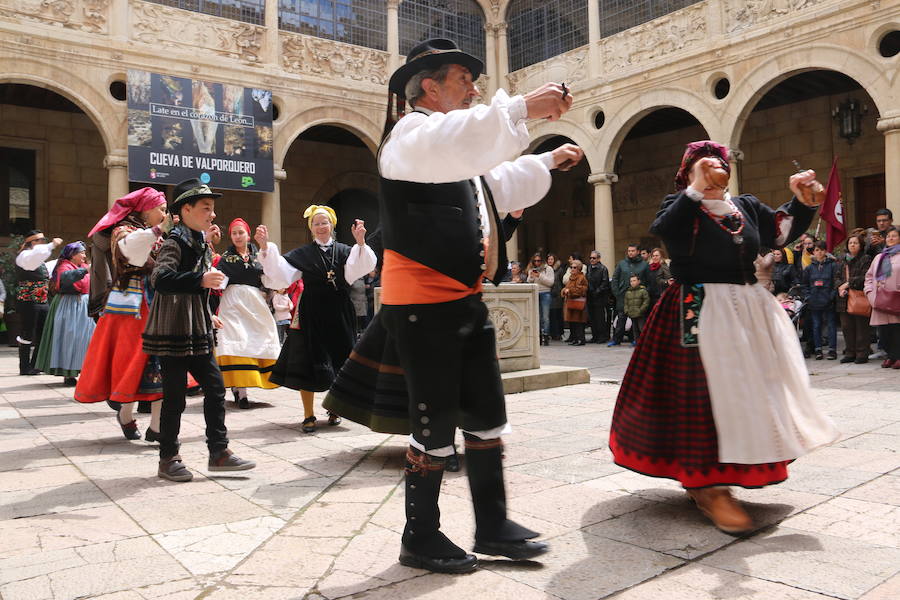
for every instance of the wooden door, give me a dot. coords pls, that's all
(869, 192)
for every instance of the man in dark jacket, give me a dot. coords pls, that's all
(598, 298)
(632, 264)
(819, 289)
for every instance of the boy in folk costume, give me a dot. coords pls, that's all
(180, 331)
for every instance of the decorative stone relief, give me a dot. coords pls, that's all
(507, 325)
(571, 66)
(743, 14)
(514, 312)
(327, 58)
(85, 15)
(666, 35)
(173, 27)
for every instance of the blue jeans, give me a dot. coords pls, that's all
(829, 317)
(544, 306)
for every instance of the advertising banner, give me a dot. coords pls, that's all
(179, 128)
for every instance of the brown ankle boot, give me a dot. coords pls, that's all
(722, 509)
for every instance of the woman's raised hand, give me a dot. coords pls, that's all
(358, 229)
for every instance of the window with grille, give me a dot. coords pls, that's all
(540, 29)
(248, 11)
(459, 20)
(619, 15)
(360, 22)
(17, 190)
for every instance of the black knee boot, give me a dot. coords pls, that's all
(25, 367)
(494, 533)
(424, 546)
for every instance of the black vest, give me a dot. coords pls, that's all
(437, 225)
(39, 274)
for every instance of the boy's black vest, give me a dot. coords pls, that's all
(439, 226)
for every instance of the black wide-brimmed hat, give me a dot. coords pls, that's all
(430, 55)
(188, 190)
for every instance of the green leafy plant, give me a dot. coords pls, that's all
(8, 270)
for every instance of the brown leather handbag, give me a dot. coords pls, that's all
(857, 303)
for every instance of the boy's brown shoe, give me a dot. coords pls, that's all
(173, 469)
(225, 460)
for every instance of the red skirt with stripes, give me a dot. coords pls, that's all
(663, 423)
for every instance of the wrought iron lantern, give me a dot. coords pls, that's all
(849, 114)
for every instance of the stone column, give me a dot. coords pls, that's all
(117, 184)
(393, 35)
(502, 55)
(890, 127)
(734, 161)
(604, 232)
(490, 61)
(271, 208)
(594, 59)
(118, 20)
(272, 51)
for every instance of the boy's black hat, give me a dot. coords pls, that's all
(187, 190)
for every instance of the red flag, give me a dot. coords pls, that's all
(832, 211)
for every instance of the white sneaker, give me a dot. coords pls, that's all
(877, 355)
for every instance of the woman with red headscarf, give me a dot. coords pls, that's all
(248, 343)
(115, 367)
(717, 393)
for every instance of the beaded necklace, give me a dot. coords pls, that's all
(734, 216)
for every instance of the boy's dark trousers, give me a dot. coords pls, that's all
(637, 326)
(206, 371)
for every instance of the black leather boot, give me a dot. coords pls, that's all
(423, 545)
(25, 367)
(494, 533)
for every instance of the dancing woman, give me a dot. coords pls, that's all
(248, 340)
(315, 351)
(699, 402)
(116, 367)
(69, 328)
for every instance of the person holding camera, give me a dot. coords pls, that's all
(542, 275)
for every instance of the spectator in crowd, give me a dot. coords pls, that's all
(282, 307)
(819, 288)
(803, 255)
(515, 272)
(851, 275)
(598, 298)
(645, 254)
(882, 288)
(764, 266)
(573, 257)
(575, 294)
(782, 272)
(632, 264)
(543, 276)
(637, 305)
(556, 301)
(660, 276)
(884, 220)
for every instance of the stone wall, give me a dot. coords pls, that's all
(70, 178)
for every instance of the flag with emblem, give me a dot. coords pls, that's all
(832, 210)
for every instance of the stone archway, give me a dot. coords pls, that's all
(360, 125)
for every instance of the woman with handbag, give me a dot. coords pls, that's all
(851, 304)
(575, 296)
(883, 291)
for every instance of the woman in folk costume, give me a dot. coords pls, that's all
(699, 402)
(326, 322)
(116, 367)
(69, 328)
(248, 340)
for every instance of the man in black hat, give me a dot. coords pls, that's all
(180, 332)
(445, 174)
(32, 286)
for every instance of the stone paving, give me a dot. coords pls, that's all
(82, 513)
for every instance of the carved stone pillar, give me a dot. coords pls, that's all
(118, 20)
(502, 54)
(890, 127)
(594, 59)
(271, 208)
(490, 60)
(272, 50)
(393, 35)
(604, 232)
(735, 159)
(117, 184)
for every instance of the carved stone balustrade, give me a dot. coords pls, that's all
(84, 15)
(329, 59)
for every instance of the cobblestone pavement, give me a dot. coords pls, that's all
(82, 513)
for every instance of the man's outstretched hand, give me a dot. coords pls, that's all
(567, 156)
(550, 101)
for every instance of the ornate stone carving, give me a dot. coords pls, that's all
(669, 34)
(571, 66)
(507, 325)
(85, 15)
(743, 14)
(317, 56)
(173, 27)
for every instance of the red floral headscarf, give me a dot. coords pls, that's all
(694, 152)
(241, 222)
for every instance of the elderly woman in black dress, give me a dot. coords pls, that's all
(323, 331)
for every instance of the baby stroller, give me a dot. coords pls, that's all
(795, 306)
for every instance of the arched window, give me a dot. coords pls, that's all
(249, 11)
(541, 29)
(360, 22)
(459, 20)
